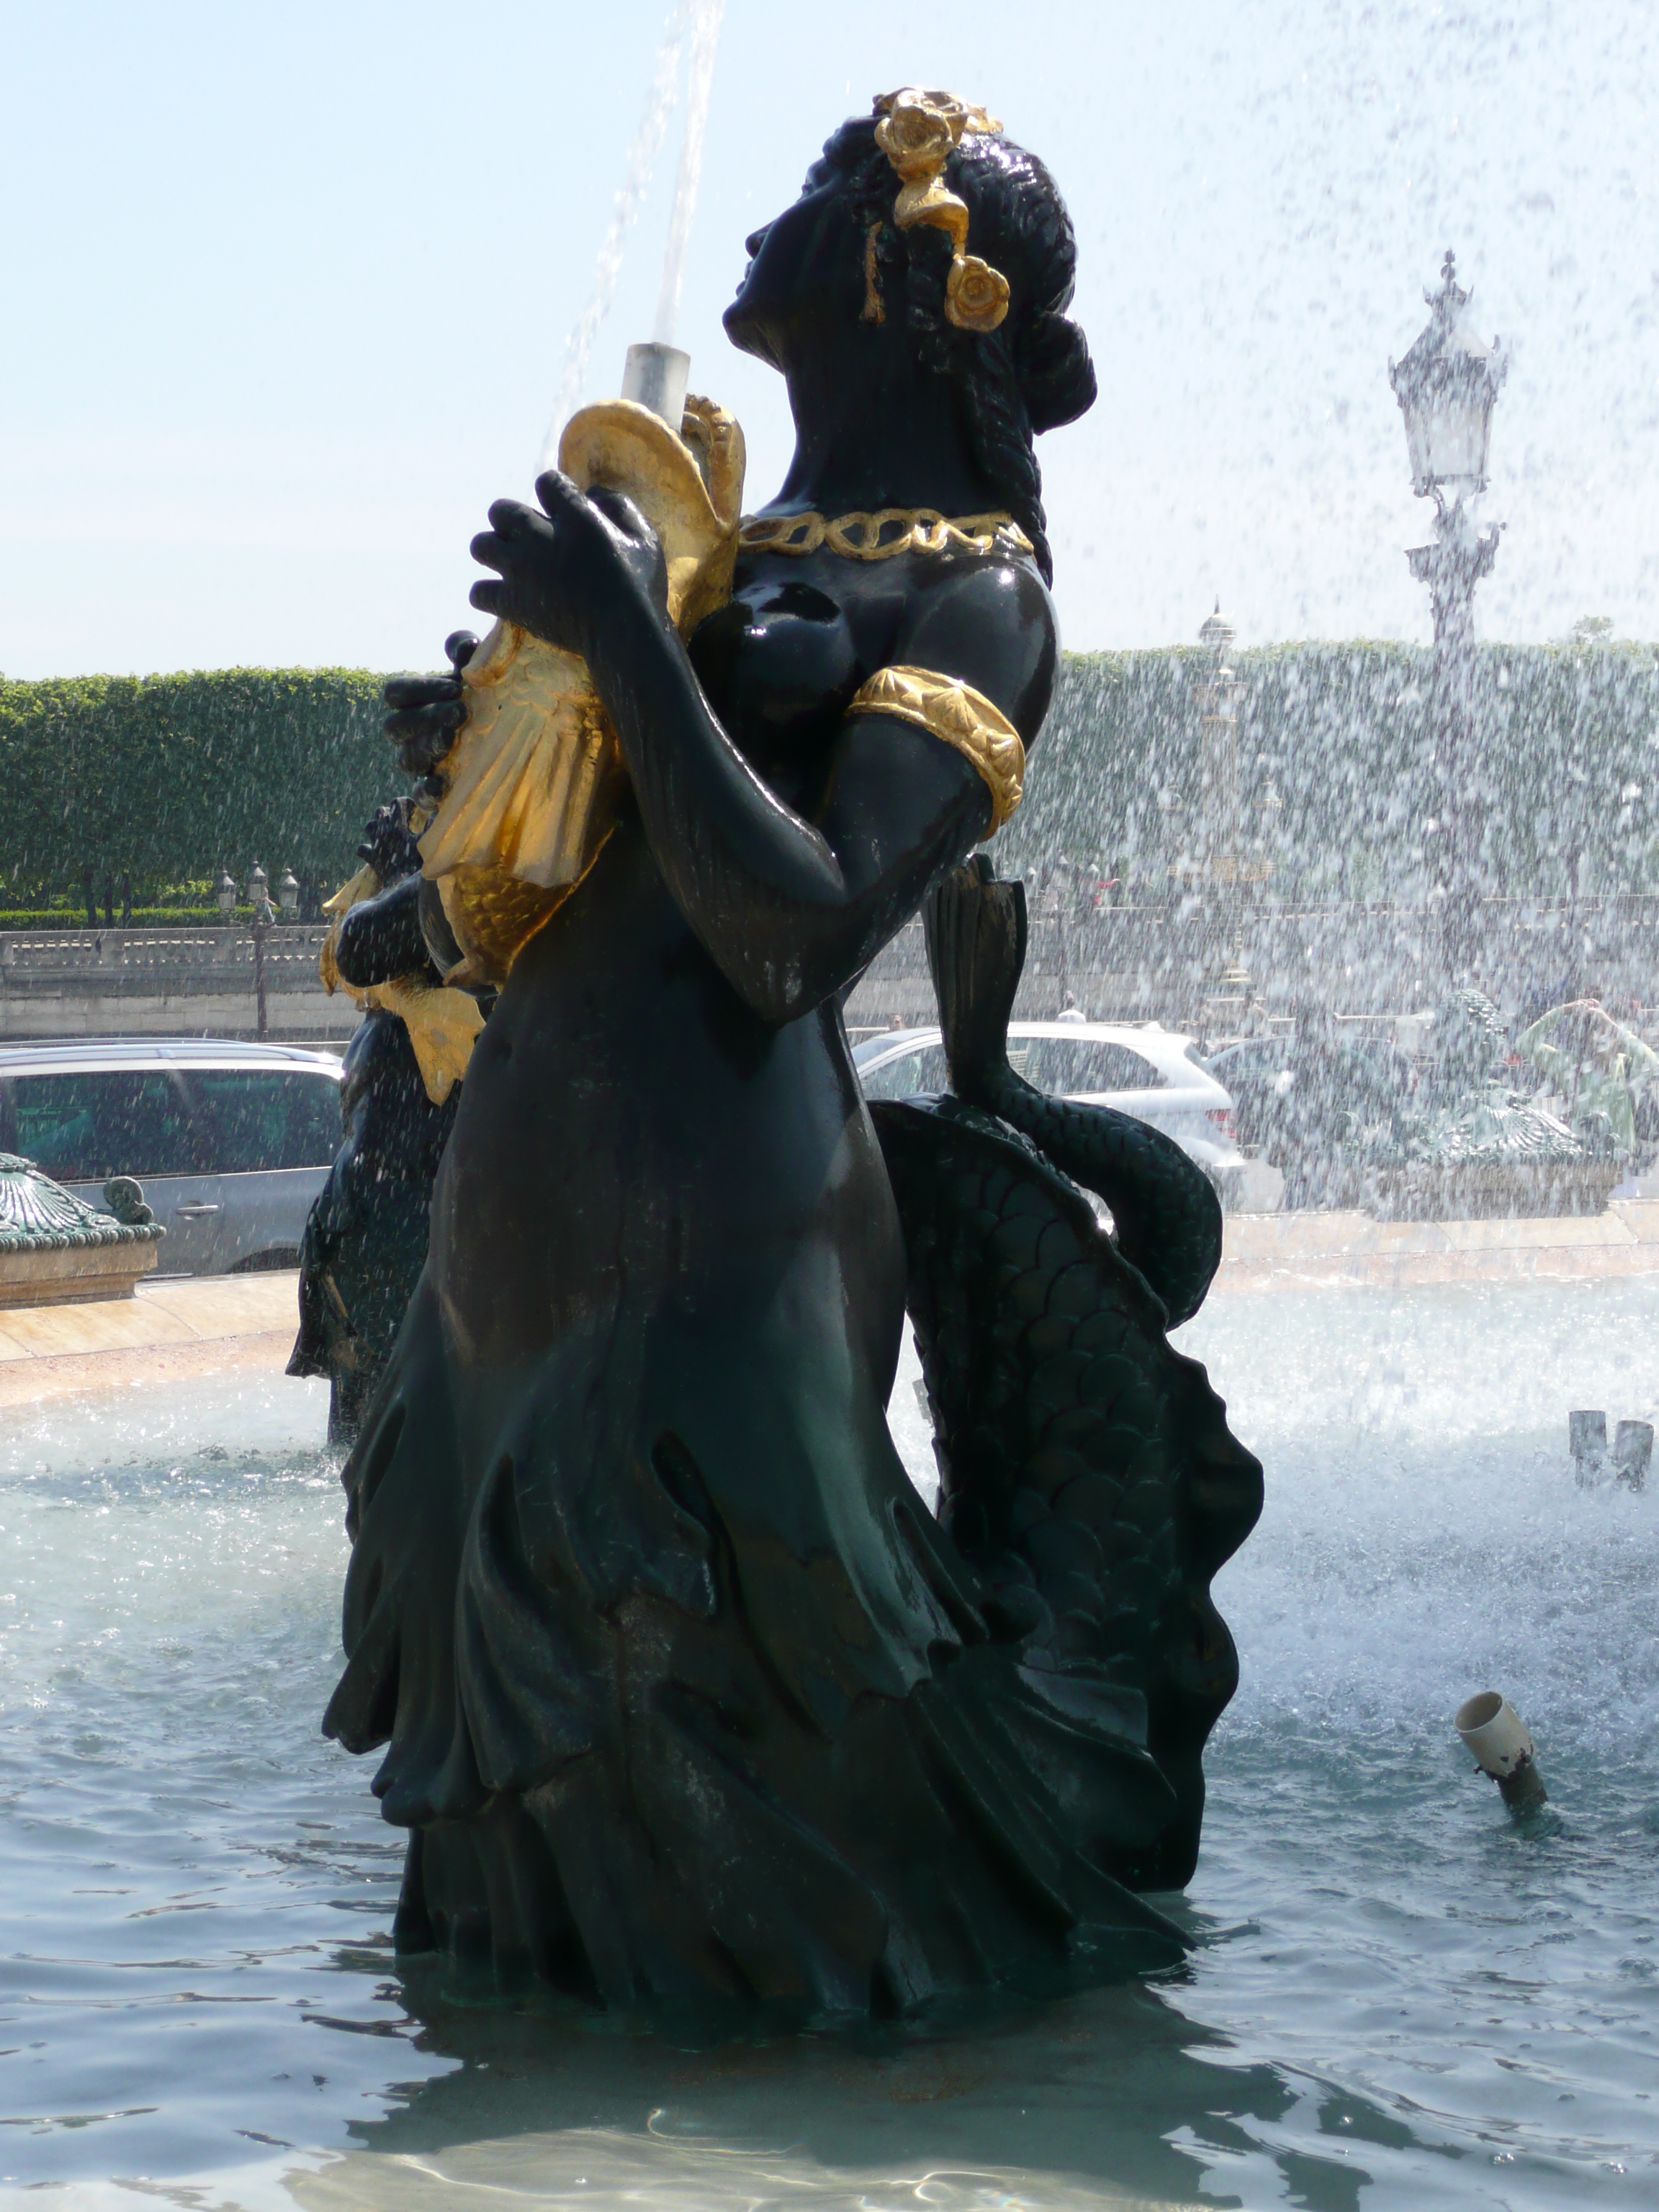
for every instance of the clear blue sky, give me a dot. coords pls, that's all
(289, 290)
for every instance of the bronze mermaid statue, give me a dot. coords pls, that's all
(364, 1239)
(686, 1700)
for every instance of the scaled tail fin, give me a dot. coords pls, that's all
(975, 930)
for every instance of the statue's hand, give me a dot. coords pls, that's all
(428, 711)
(568, 571)
(387, 846)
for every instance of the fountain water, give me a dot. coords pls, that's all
(699, 79)
(1400, 1996)
(701, 20)
(642, 161)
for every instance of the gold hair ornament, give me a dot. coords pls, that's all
(960, 716)
(880, 535)
(919, 131)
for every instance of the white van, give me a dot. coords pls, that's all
(231, 1141)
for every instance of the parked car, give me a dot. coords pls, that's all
(1315, 1103)
(1139, 1068)
(232, 1142)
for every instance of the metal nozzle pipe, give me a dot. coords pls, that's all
(654, 377)
(1503, 1747)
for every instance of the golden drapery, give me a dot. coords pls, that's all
(533, 782)
(443, 1025)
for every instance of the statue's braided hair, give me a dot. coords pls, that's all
(1032, 372)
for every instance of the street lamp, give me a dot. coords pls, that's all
(1228, 870)
(224, 893)
(264, 921)
(1446, 387)
(287, 894)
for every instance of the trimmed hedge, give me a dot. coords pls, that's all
(168, 778)
(1343, 733)
(143, 917)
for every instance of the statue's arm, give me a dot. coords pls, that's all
(381, 939)
(789, 908)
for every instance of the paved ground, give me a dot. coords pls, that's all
(209, 1325)
(200, 1325)
(1268, 1251)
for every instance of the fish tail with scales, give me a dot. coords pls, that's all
(1087, 1472)
(1165, 1209)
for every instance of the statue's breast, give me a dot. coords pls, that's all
(779, 663)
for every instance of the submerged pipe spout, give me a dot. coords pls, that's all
(1502, 1747)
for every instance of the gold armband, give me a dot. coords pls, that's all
(960, 715)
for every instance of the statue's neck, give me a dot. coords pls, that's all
(873, 430)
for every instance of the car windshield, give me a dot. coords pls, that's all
(1068, 1066)
(261, 1118)
(1061, 1067)
(920, 1069)
(96, 1123)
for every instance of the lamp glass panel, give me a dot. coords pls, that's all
(1457, 437)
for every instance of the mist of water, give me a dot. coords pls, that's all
(636, 179)
(700, 77)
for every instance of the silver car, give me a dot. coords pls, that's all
(232, 1142)
(1140, 1068)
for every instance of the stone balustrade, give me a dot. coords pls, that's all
(154, 982)
(1126, 962)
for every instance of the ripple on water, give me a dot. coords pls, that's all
(1401, 1998)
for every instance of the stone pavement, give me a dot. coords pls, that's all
(189, 1326)
(209, 1324)
(1278, 1251)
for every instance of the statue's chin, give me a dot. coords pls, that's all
(747, 331)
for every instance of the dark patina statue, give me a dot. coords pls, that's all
(365, 1240)
(684, 1696)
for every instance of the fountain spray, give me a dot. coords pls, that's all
(529, 790)
(655, 374)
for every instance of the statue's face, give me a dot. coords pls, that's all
(806, 270)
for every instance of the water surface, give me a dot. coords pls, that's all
(1400, 1998)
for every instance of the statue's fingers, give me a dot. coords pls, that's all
(489, 549)
(559, 495)
(618, 509)
(420, 690)
(420, 756)
(511, 518)
(440, 720)
(490, 598)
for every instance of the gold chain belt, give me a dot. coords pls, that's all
(879, 536)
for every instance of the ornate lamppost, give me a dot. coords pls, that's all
(1446, 387)
(264, 921)
(1221, 863)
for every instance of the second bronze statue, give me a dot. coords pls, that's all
(685, 1699)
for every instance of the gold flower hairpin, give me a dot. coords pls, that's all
(918, 132)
